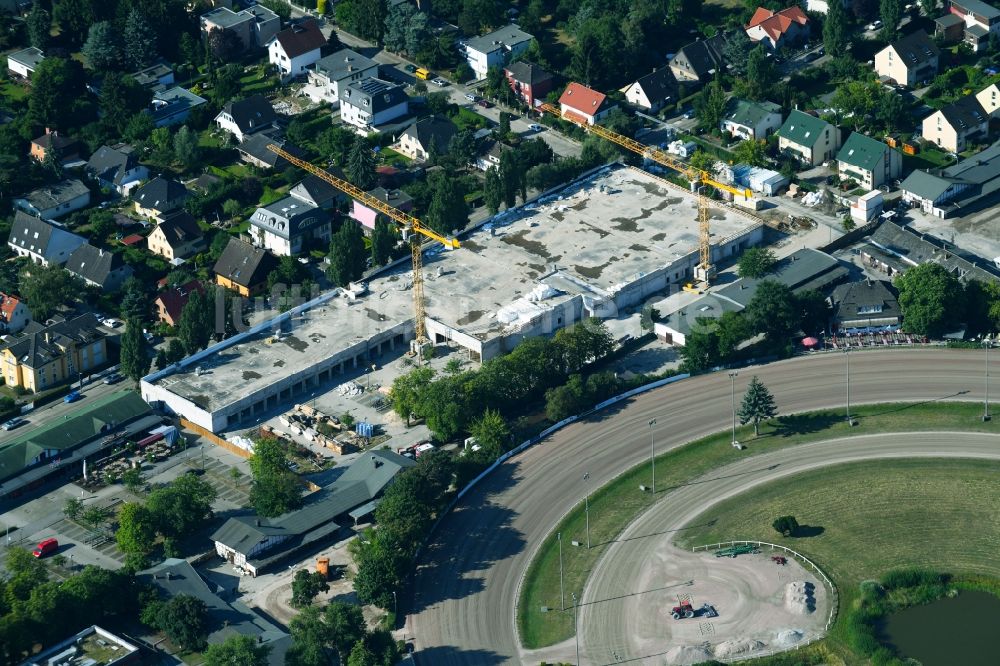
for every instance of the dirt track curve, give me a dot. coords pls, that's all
(466, 587)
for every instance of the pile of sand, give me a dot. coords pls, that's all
(799, 597)
(737, 647)
(787, 638)
(685, 655)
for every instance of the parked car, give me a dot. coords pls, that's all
(13, 423)
(45, 547)
(112, 322)
(113, 378)
(439, 82)
(485, 104)
(72, 396)
(410, 68)
(470, 97)
(874, 25)
(535, 127)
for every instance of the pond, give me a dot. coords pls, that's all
(960, 630)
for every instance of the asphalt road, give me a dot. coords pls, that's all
(466, 587)
(607, 628)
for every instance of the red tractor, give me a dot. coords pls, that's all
(685, 610)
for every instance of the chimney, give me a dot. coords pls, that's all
(257, 522)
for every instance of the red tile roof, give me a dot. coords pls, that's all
(7, 306)
(133, 239)
(582, 98)
(174, 300)
(775, 24)
(300, 39)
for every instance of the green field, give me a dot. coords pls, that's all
(615, 505)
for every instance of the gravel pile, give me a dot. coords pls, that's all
(685, 655)
(737, 647)
(787, 638)
(799, 597)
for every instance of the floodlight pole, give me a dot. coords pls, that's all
(562, 592)
(652, 454)
(586, 476)
(986, 402)
(732, 376)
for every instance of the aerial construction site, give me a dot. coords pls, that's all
(597, 247)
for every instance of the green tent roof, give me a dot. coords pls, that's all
(802, 129)
(862, 151)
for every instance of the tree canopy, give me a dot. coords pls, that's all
(275, 489)
(756, 262)
(930, 299)
(757, 405)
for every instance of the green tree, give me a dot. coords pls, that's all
(384, 239)
(930, 299)
(760, 76)
(710, 106)
(346, 624)
(397, 19)
(362, 655)
(835, 29)
(361, 165)
(335, 143)
(132, 479)
(786, 525)
(448, 210)
(197, 322)
(134, 361)
(184, 619)
(756, 262)
(279, 7)
(493, 190)
(890, 11)
(95, 515)
(186, 147)
(703, 161)
(772, 311)
(275, 490)
(347, 254)
(58, 93)
(814, 311)
(75, 18)
(73, 508)
(731, 330)
(182, 507)
(103, 47)
(757, 405)
(140, 40)
(134, 300)
(737, 52)
(751, 151)
(39, 24)
(120, 99)
(491, 433)
(407, 392)
(136, 530)
(140, 126)
(310, 637)
(306, 585)
(929, 7)
(238, 649)
(564, 401)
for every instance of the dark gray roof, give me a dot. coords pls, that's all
(867, 299)
(433, 129)
(363, 481)
(314, 189)
(926, 185)
(802, 270)
(342, 64)
(902, 247)
(175, 576)
(503, 38)
(172, 101)
(658, 85)
(111, 164)
(949, 20)
(244, 264)
(976, 30)
(150, 76)
(288, 217)
(395, 198)
(528, 73)
(162, 194)
(38, 344)
(978, 7)
(94, 264)
(256, 145)
(965, 114)
(224, 17)
(31, 57)
(31, 233)
(916, 49)
(251, 114)
(180, 227)
(301, 38)
(379, 94)
(704, 55)
(56, 194)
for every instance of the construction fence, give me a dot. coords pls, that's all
(214, 439)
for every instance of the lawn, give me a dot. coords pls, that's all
(466, 119)
(393, 158)
(927, 158)
(15, 92)
(257, 81)
(615, 505)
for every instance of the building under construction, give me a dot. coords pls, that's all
(597, 247)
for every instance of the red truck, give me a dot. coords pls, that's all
(45, 547)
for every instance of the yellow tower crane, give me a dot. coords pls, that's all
(408, 223)
(704, 269)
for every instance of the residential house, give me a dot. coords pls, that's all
(317, 192)
(296, 48)
(653, 91)
(751, 120)
(246, 116)
(176, 237)
(972, 21)
(869, 162)
(489, 157)
(67, 148)
(865, 306)
(98, 267)
(55, 200)
(967, 186)
(989, 99)
(117, 168)
(958, 125)
(583, 105)
(529, 82)
(699, 61)
(253, 543)
(287, 225)
(366, 216)
(494, 49)
(24, 63)
(160, 196)
(336, 71)
(244, 268)
(370, 103)
(254, 150)
(787, 27)
(172, 106)
(908, 61)
(170, 303)
(255, 26)
(158, 76)
(14, 314)
(810, 139)
(45, 356)
(45, 243)
(428, 135)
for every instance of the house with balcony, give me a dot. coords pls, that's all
(295, 49)
(426, 136)
(332, 73)
(244, 117)
(117, 168)
(494, 49)
(810, 139)
(255, 26)
(750, 120)
(41, 357)
(584, 105)
(971, 21)
(370, 103)
(286, 226)
(869, 162)
(172, 106)
(176, 237)
(958, 125)
(775, 30)
(529, 82)
(24, 63)
(908, 61)
(160, 196)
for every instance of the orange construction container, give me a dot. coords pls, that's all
(323, 567)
